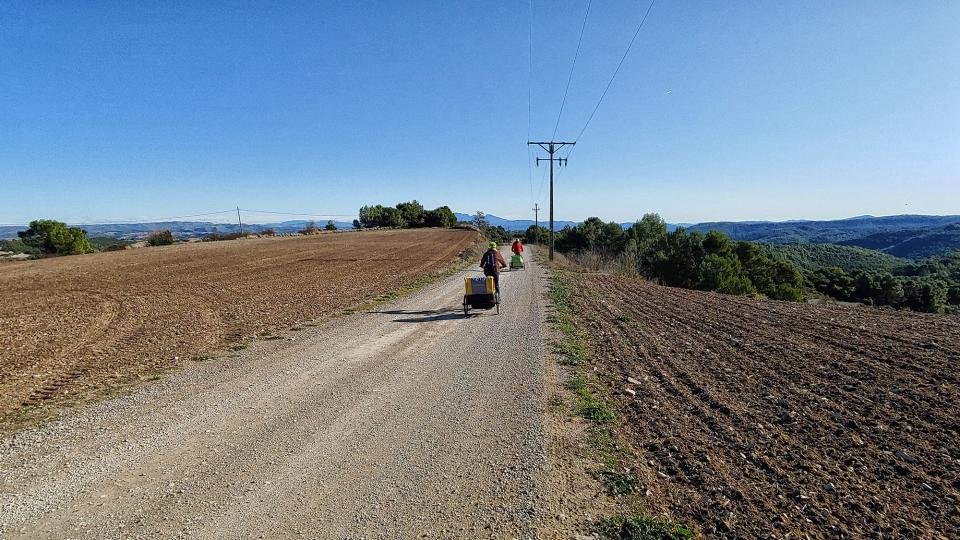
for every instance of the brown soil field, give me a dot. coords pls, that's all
(70, 325)
(764, 419)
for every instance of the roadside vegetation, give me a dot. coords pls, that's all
(591, 402)
(708, 262)
(711, 261)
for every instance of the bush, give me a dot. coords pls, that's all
(218, 237)
(160, 238)
(330, 226)
(104, 243)
(311, 228)
(642, 528)
(268, 232)
(18, 246)
(55, 238)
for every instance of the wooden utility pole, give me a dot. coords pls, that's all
(551, 147)
(239, 220)
(536, 221)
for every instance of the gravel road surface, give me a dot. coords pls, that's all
(405, 421)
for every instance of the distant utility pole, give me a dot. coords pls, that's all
(239, 220)
(536, 221)
(551, 148)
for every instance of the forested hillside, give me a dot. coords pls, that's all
(903, 236)
(811, 257)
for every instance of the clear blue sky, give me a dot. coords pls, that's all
(723, 110)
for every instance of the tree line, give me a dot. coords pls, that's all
(406, 214)
(931, 285)
(710, 262)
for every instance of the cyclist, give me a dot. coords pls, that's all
(491, 262)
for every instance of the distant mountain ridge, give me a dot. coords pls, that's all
(179, 228)
(907, 236)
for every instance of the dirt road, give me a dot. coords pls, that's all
(402, 422)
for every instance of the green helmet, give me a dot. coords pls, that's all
(493, 245)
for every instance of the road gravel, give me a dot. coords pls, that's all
(405, 421)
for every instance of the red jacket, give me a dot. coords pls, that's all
(517, 247)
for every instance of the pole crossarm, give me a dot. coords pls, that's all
(551, 148)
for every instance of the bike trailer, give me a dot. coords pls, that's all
(516, 262)
(480, 293)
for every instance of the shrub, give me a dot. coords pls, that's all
(643, 528)
(105, 243)
(55, 238)
(160, 238)
(218, 237)
(18, 246)
(311, 228)
(330, 226)
(268, 232)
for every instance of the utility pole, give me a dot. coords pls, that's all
(551, 147)
(536, 221)
(239, 221)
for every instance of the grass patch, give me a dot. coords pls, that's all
(589, 406)
(619, 483)
(642, 528)
(571, 347)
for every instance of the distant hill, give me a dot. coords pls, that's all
(183, 229)
(824, 232)
(812, 257)
(909, 236)
(913, 243)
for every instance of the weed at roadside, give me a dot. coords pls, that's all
(642, 528)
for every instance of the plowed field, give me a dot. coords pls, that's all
(758, 418)
(72, 324)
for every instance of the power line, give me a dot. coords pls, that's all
(121, 221)
(572, 67)
(530, 100)
(615, 72)
(293, 213)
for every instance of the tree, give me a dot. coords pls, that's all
(412, 213)
(160, 238)
(953, 295)
(55, 238)
(724, 275)
(381, 216)
(357, 224)
(440, 217)
(391, 217)
(480, 220)
(330, 226)
(536, 234)
(370, 216)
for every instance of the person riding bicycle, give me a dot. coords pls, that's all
(517, 247)
(491, 262)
